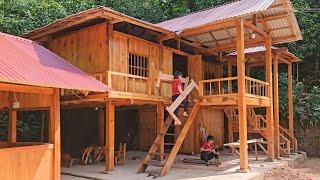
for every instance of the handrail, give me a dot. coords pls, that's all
(256, 80)
(292, 139)
(219, 79)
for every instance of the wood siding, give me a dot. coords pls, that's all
(28, 162)
(146, 127)
(213, 120)
(26, 100)
(86, 48)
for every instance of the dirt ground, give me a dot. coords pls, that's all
(308, 169)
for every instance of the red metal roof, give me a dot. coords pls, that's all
(235, 9)
(25, 62)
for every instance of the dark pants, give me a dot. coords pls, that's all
(185, 103)
(206, 156)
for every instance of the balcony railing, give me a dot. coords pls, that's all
(126, 83)
(229, 86)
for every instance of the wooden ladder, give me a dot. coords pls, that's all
(157, 142)
(180, 98)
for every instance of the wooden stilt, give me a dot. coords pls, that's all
(276, 107)
(290, 100)
(54, 132)
(110, 118)
(101, 126)
(242, 107)
(12, 120)
(269, 109)
(160, 126)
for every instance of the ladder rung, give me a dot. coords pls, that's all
(170, 134)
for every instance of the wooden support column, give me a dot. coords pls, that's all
(101, 126)
(230, 130)
(54, 132)
(110, 118)
(290, 100)
(160, 126)
(269, 109)
(242, 107)
(12, 120)
(276, 107)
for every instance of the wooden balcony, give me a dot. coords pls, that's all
(224, 92)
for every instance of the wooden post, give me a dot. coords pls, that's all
(229, 75)
(54, 132)
(276, 108)
(101, 118)
(160, 126)
(269, 109)
(12, 120)
(242, 107)
(290, 100)
(110, 118)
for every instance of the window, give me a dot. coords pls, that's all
(138, 65)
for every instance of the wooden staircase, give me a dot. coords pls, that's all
(169, 160)
(257, 124)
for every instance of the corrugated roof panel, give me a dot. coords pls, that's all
(24, 62)
(235, 9)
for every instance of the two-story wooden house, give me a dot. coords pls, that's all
(128, 54)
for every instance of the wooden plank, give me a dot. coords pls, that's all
(290, 100)
(160, 126)
(276, 107)
(54, 132)
(25, 88)
(12, 120)
(179, 140)
(269, 109)
(110, 128)
(242, 107)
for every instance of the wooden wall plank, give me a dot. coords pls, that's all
(85, 48)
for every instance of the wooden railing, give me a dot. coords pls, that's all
(256, 87)
(229, 85)
(127, 83)
(219, 86)
(287, 135)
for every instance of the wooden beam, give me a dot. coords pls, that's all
(255, 29)
(290, 100)
(276, 107)
(54, 132)
(208, 28)
(25, 88)
(110, 128)
(269, 109)
(242, 107)
(160, 127)
(12, 120)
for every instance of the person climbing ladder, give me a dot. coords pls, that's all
(177, 90)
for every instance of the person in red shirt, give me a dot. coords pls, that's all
(208, 150)
(177, 90)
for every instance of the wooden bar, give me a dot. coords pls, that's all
(54, 132)
(269, 109)
(110, 128)
(160, 127)
(290, 100)
(12, 120)
(276, 107)
(242, 107)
